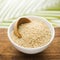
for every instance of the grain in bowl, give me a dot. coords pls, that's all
(34, 34)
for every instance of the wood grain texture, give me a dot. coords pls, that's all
(8, 52)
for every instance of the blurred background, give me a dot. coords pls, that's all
(10, 10)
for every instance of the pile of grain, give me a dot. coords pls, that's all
(34, 34)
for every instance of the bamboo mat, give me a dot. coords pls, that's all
(8, 52)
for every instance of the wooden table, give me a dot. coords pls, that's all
(8, 52)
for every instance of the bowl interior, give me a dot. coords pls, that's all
(33, 17)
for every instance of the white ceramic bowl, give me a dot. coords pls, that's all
(32, 50)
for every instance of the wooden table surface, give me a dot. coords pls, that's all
(8, 52)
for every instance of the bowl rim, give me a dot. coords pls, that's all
(10, 39)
